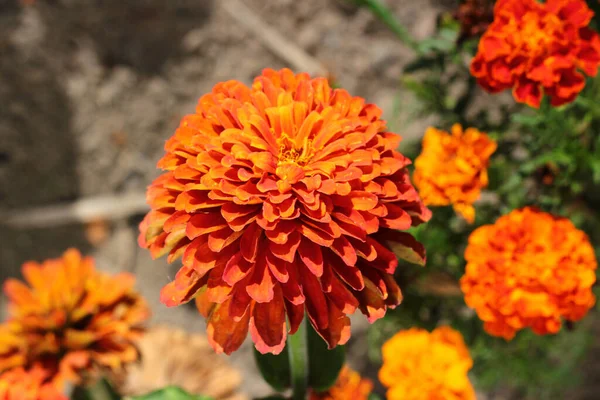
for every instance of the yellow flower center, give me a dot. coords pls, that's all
(290, 153)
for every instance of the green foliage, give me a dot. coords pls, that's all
(170, 393)
(324, 365)
(275, 369)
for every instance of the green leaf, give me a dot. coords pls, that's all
(421, 63)
(275, 369)
(324, 365)
(170, 393)
(271, 398)
(374, 396)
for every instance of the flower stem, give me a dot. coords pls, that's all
(387, 17)
(297, 348)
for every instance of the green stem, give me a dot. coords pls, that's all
(387, 17)
(297, 348)
(99, 390)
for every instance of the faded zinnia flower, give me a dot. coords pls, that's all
(537, 48)
(33, 384)
(529, 269)
(172, 357)
(452, 168)
(474, 17)
(72, 318)
(348, 386)
(418, 365)
(282, 197)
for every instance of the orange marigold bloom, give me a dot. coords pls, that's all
(418, 365)
(282, 196)
(532, 46)
(529, 269)
(33, 384)
(452, 168)
(349, 386)
(71, 317)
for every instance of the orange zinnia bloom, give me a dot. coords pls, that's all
(532, 46)
(71, 317)
(282, 196)
(452, 168)
(33, 384)
(529, 269)
(349, 386)
(418, 365)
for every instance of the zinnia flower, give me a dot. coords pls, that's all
(73, 318)
(349, 386)
(529, 269)
(33, 384)
(418, 365)
(532, 46)
(282, 197)
(452, 168)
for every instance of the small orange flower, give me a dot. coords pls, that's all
(452, 168)
(71, 318)
(33, 384)
(418, 365)
(282, 197)
(532, 46)
(529, 269)
(349, 386)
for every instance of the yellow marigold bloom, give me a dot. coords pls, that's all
(418, 365)
(349, 386)
(72, 318)
(282, 198)
(529, 269)
(33, 384)
(452, 168)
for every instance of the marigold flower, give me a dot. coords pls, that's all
(73, 318)
(281, 196)
(529, 269)
(452, 168)
(33, 384)
(532, 46)
(418, 365)
(349, 386)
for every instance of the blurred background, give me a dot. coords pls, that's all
(91, 89)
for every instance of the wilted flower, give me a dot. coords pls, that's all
(349, 386)
(172, 357)
(282, 196)
(418, 365)
(474, 17)
(33, 384)
(72, 318)
(452, 168)
(529, 269)
(533, 46)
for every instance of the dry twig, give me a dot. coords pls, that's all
(282, 47)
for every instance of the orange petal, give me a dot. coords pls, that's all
(225, 334)
(267, 324)
(316, 304)
(286, 251)
(260, 286)
(237, 268)
(311, 255)
(203, 223)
